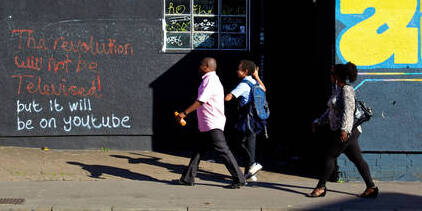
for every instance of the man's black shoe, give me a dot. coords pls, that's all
(181, 182)
(236, 185)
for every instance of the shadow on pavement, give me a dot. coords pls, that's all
(286, 188)
(98, 170)
(385, 201)
(174, 168)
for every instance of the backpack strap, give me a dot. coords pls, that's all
(246, 108)
(251, 85)
(248, 82)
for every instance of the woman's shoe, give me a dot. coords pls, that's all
(316, 193)
(370, 193)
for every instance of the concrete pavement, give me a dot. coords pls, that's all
(120, 180)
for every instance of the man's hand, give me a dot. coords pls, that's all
(228, 97)
(180, 116)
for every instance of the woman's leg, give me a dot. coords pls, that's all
(334, 149)
(354, 154)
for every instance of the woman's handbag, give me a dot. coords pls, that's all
(363, 113)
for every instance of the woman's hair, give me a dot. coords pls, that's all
(248, 66)
(346, 71)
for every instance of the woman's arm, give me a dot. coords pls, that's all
(349, 111)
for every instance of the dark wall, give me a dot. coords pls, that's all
(176, 88)
(72, 68)
(298, 49)
(85, 74)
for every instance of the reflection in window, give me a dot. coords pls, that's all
(205, 40)
(177, 7)
(233, 24)
(178, 23)
(233, 7)
(205, 7)
(205, 24)
(178, 41)
(233, 41)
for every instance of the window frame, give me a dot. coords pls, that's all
(219, 31)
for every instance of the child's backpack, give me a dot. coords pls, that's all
(259, 100)
(258, 112)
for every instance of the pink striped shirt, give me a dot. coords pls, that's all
(211, 94)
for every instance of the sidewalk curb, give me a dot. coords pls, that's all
(134, 209)
(60, 208)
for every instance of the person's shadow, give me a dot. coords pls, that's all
(97, 171)
(216, 177)
(174, 168)
(289, 188)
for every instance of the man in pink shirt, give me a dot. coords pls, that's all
(211, 121)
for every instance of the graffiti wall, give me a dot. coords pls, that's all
(47, 68)
(61, 80)
(85, 72)
(90, 74)
(383, 38)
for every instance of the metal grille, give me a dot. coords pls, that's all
(11, 201)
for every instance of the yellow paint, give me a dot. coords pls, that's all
(362, 45)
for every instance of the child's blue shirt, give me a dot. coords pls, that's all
(243, 90)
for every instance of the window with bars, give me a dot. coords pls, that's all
(206, 25)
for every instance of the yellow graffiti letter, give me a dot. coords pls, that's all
(381, 36)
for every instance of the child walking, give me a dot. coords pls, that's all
(248, 72)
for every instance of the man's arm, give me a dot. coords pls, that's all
(190, 109)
